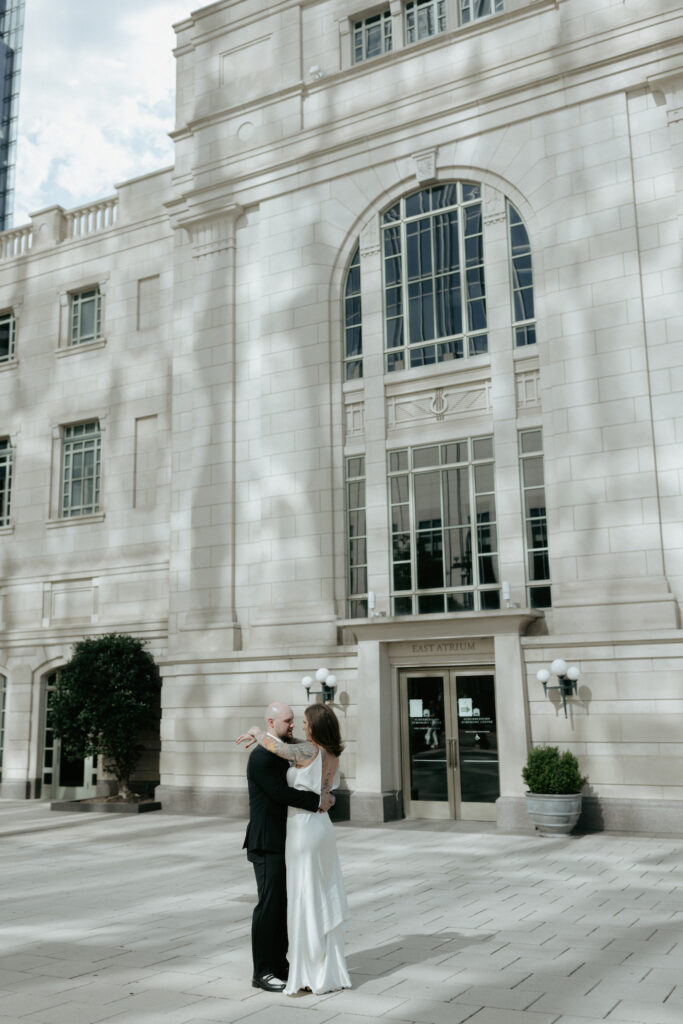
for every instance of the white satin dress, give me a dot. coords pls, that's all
(317, 911)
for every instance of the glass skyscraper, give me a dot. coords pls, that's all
(11, 33)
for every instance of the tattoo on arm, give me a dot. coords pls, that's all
(329, 770)
(298, 754)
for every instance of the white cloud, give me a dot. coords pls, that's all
(97, 98)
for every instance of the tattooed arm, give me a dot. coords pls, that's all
(329, 771)
(298, 754)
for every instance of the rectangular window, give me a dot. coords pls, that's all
(356, 538)
(5, 481)
(372, 37)
(535, 521)
(472, 10)
(81, 470)
(424, 18)
(7, 333)
(86, 316)
(443, 528)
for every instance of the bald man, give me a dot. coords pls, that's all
(269, 798)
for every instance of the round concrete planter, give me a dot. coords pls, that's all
(554, 814)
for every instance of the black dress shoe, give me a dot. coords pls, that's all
(269, 983)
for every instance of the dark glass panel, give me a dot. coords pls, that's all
(448, 305)
(398, 461)
(418, 202)
(354, 345)
(530, 441)
(425, 457)
(48, 759)
(488, 569)
(392, 243)
(427, 487)
(456, 497)
(476, 315)
(430, 604)
(358, 580)
(446, 242)
(402, 576)
(477, 739)
(532, 472)
(448, 350)
(352, 310)
(490, 599)
(458, 557)
(357, 552)
(460, 602)
(424, 356)
(403, 606)
(394, 302)
(487, 540)
(470, 190)
(426, 738)
(524, 304)
(353, 277)
(483, 478)
(357, 523)
(429, 548)
(356, 494)
(355, 466)
(421, 310)
(444, 195)
(455, 452)
(479, 346)
(395, 340)
(525, 336)
(486, 508)
(473, 220)
(539, 565)
(358, 609)
(400, 518)
(354, 370)
(475, 282)
(392, 270)
(400, 548)
(534, 503)
(395, 361)
(392, 214)
(482, 448)
(399, 490)
(539, 597)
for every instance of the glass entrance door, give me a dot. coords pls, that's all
(63, 778)
(450, 747)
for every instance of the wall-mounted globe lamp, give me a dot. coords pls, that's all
(327, 684)
(566, 680)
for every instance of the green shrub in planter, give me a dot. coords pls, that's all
(549, 771)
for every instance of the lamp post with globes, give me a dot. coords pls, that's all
(566, 680)
(327, 684)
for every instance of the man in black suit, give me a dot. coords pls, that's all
(269, 798)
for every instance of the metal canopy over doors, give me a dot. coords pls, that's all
(450, 745)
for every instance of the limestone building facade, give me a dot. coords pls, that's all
(383, 375)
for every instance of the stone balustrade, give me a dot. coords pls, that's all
(86, 220)
(16, 242)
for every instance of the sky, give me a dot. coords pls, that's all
(96, 99)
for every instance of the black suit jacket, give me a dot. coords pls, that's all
(269, 798)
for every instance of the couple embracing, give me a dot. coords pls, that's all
(298, 876)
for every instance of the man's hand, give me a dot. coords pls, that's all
(326, 801)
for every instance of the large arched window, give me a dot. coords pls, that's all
(435, 295)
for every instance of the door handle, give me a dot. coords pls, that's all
(453, 754)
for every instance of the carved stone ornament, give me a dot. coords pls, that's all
(425, 165)
(438, 404)
(494, 205)
(354, 425)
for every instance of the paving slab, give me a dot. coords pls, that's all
(134, 920)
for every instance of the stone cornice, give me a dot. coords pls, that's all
(208, 220)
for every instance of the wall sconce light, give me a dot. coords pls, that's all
(566, 680)
(327, 684)
(315, 72)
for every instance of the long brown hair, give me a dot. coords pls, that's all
(324, 728)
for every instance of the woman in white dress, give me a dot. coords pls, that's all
(316, 902)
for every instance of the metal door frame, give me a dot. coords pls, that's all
(453, 808)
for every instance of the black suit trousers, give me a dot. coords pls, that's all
(269, 920)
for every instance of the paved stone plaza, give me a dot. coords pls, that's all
(145, 919)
